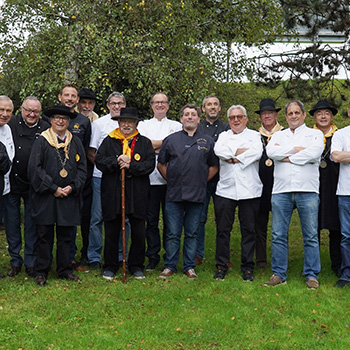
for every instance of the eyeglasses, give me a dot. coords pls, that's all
(30, 111)
(58, 118)
(159, 102)
(238, 117)
(114, 104)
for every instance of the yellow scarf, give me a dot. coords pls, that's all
(51, 138)
(267, 134)
(116, 134)
(329, 133)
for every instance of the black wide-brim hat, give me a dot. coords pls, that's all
(128, 112)
(323, 104)
(60, 110)
(267, 104)
(87, 93)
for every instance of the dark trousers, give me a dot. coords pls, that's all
(137, 248)
(225, 215)
(155, 200)
(261, 223)
(85, 228)
(43, 249)
(334, 248)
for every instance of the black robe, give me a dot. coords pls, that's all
(136, 177)
(328, 215)
(43, 172)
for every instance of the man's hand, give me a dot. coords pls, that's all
(298, 149)
(124, 161)
(60, 193)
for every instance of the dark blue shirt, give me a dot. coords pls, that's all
(213, 130)
(188, 160)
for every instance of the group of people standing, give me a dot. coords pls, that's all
(68, 167)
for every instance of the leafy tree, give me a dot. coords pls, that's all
(312, 70)
(137, 47)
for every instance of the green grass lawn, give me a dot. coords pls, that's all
(178, 313)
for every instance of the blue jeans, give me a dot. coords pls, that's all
(180, 215)
(211, 188)
(344, 215)
(12, 204)
(283, 205)
(95, 234)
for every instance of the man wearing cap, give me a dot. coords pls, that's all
(239, 151)
(101, 127)
(269, 125)
(57, 172)
(211, 125)
(187, 161)
(296, 153)
(156, 129)
(26, 127)
(7, 150)
(86, 104)
(328, 214)
(340, 153)
(124, 149)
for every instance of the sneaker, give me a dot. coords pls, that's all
(96, 265)
(108, 275)
(191, 273)
(220, 274)
(151, 266)
(312, 283)
(342, 283)
(166, 273)
(274, 281)
(248, 276)
(139, 275)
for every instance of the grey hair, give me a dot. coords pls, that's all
(116, 94)
(237, 107)
(6, 98)
(299, 103)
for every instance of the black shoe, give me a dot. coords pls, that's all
(96, 265)
(40, 280)
(15, 270)
(71, 277)
(84, 261)
(262, 265)
(2, 275)
(337, 272)
(151, 266)
(30, 271)
(220, 274)
(248, 276)
(342, 283)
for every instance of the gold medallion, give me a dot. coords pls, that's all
(323, 164)
(268, 162)
(63, 173)
(137, 157)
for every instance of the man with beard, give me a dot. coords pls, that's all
(26, 127)
(187, 161)
(213, 127)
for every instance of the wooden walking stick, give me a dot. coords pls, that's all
(123, 223)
